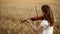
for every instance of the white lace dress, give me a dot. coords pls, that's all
(46, 29)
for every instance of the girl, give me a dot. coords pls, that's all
(47, 20)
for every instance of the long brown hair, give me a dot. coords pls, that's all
(48, 14)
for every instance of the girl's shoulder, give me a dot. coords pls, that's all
(44, 22)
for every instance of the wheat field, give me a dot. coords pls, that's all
(12, 11)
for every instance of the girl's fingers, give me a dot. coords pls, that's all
(23, 20)
(26, 19)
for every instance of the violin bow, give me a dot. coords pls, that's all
(36, 11)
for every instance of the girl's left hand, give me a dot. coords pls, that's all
(28, 20)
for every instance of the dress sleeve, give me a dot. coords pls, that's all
(44, 23)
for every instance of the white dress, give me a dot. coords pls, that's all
(46, 29)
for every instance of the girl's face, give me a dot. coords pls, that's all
(42, 13)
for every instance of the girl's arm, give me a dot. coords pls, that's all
(36, 29)
(34, 18)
